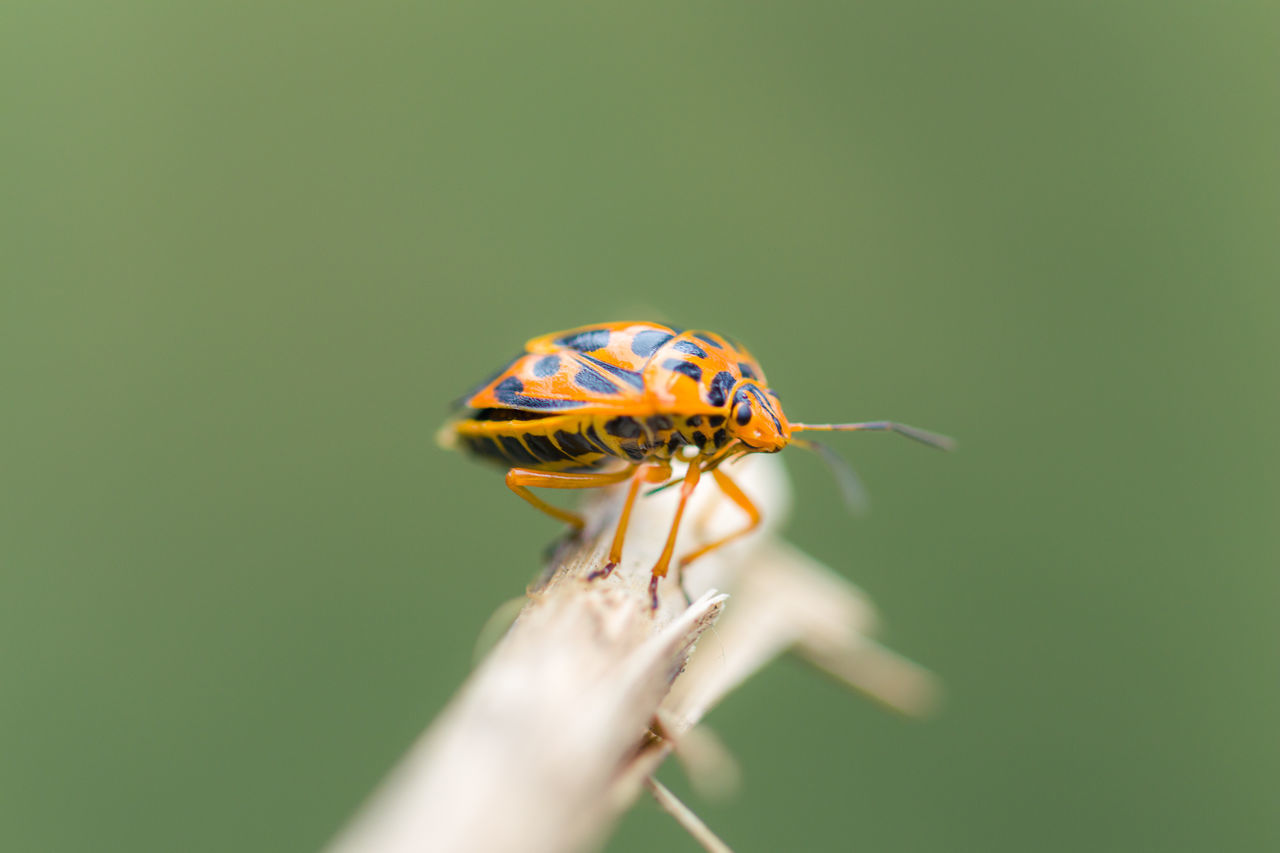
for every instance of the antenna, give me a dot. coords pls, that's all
(932, 439)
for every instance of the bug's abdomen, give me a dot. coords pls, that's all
(552, 443)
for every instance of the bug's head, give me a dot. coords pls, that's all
(756, 419)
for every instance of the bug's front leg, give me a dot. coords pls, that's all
(649, 472)
(520, 479)
(739, 497)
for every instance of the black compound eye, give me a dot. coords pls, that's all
(743, 413)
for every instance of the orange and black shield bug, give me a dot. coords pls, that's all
(617, 402)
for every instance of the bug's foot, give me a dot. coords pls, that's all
(603, 572)
(653, 593)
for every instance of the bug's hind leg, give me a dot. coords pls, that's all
(520, 479)
(654, 472)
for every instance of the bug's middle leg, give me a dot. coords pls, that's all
(650, 472)
(520, 479)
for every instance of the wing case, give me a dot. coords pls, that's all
(589, 369)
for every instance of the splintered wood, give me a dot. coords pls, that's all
(564, 723)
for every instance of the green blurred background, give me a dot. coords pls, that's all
(252, 250)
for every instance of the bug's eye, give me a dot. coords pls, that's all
(743, 413)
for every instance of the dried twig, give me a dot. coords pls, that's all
(555, 733)
(686, 818)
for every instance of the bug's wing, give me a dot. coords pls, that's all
(563, 381)
(628, 346)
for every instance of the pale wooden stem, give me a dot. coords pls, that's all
(686, 818)
(552, 737)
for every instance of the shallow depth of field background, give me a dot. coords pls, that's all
(252, 251)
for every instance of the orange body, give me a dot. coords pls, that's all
(613, 402)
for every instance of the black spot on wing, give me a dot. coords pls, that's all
(688, 368)
(517, 452)
(623, 427)
(588, 341)
(720, 438)
(676, 441)
(718, 393)
(546, 366)
(699, 438)
(746, 371)
(548, 405)
(631, 377)
(715, 420)
(592, 380)
(707, 339)
(508, 392)
(694, 420)
(508, 389)
(644, 343)
(689, 348)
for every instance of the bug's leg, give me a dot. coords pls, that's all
(615, 551)
(654, 472)
(739, 497)
(660, 568)
(520, 479)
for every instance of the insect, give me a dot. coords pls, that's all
(617, 403)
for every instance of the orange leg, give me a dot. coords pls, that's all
(660, 568)
(654, 472)
(735, 494)
(519, 480)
